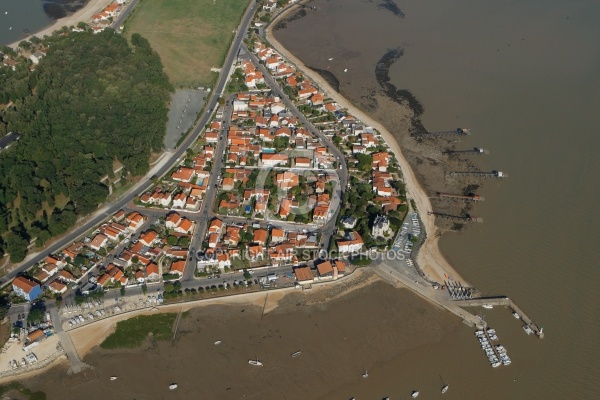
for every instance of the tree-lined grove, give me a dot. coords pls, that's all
(93, 99)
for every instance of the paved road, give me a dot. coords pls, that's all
(206, 214)
(146, 182)
(65, 340)
(124, 14)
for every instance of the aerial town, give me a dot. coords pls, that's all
(254, 204)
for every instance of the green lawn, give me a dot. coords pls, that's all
(191, 37)
(132, 332)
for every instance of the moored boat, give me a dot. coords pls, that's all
(527, 329)
(296, 354)
(218, 342)
(488, 306)
(415, 394)
(445, 389)
(255, 362)
(516, 315)
(172, 386)
(113, 378)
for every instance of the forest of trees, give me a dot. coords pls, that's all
(93, 99)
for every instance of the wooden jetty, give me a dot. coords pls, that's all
(470, 197)
(432, 135)
(463, 218)
(474, 151)
(506, 302)
(493, 174)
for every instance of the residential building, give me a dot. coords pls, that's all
(98, 242)
(325, 269)
(260, 236)
(271, 160)
(303, 275)
(57, 287)
(178, 267)
(172, 220)
(26, 288)
(352, 243)
(148, 238)
(349, 221)
(381, 227)
(152, 272)
(185, 226)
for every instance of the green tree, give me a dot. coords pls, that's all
(94, 99)
(4, 306)
(16, 246)
(36, 312)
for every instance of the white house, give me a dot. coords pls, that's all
(381, 227)
(276, 108)
(353, 243)
(36, 57)
(240, 105)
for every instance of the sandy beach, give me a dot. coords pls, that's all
(429, 258)
(84, 14)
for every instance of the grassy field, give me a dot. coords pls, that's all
(132, 332)
(191, 37)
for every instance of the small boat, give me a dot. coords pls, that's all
(331, 59)
(445, 389)
(113, 378)
(415, 394)
(255, 362)
(218, 342)
(296, 354)
(527, 329)
(516, 315)
(172, 386)
(365, 375)
(488, 306)
(346, 70)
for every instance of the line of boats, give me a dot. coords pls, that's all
(496, 355)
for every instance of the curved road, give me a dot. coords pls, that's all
(146, 182)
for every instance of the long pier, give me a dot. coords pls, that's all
(506, 302)
(493, 174)
(394, 276)
(431, 135)
(472, 197)
(465, 218)
(475, 151)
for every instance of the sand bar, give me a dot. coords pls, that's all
(430, 258)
